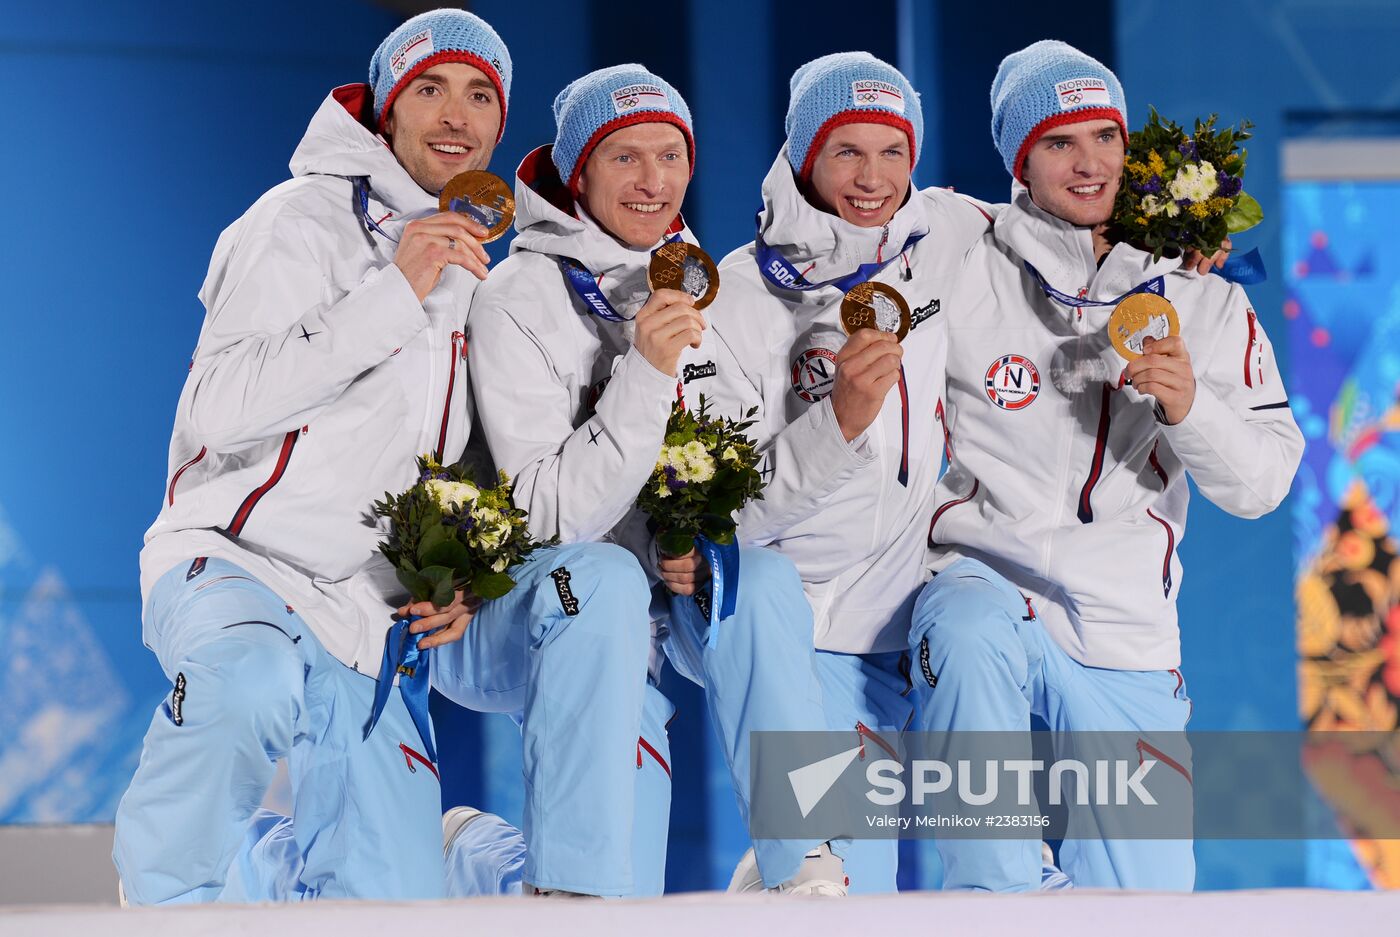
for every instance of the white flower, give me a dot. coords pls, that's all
(499, 565)
(1152, 205)
(702, 470)
(1194, 181)
(448, 493)
(730, 454)
(662, 490)
(695, 451)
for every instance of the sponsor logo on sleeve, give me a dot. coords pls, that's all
(871, 93)
(1082, 92)
(409, 51)
(628, 99)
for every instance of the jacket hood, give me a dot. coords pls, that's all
(821, 245)
(337, 142)
(1063, 253)
(548, 221)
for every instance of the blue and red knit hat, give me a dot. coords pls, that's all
(848, 88)
(1045, 85)
(609, 99)
(430, 38)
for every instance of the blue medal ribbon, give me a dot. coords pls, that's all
(724, 581)
(1245, 271)
(586, 286)
(776, 269)
(402, 657)
(1156, 285)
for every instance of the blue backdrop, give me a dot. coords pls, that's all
(140, 130)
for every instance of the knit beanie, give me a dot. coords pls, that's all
(427, 39)
(1045, 85)
(848, 88)
(606, 100)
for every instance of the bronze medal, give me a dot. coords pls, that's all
(1139, 317)
(483, 197)
(872, 305)
(683, 266)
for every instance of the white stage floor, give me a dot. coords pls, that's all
(1226, 914)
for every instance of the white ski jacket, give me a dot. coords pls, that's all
(318, 379)
(852, 517)
(571, 410)
(1065, 481)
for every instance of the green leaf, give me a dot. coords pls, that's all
(441, 579)
(675, 543)
(419, 588)
(448, 553)
(491, 585)
(1246, 213)
(434, 535)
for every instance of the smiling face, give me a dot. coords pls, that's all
(444, 123)
(861, 173)
(1073, 172)
(635, 180)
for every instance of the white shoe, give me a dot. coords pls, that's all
(454, 821)
(1051, 878)
(822, 873)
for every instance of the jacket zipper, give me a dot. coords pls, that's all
(410, 756)
(1249, 349)
(945, 506)
(1145, 748)
(863, 733)
(174, 479)
(459, 341)
(1167, 557)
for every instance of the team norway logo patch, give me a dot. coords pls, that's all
(814, 374)
(1013, 382)
(409, 51)
(1082, 92)
(872, 93)
(628, 99)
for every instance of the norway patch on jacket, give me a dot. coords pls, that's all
(1063, 477)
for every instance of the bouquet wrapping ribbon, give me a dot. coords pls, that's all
(402, 657)
(724, 581)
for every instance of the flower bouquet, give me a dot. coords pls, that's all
(445, 533)
(707, 470)
(1183, 193)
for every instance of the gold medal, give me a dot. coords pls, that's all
(683, 266)
(1138, 317)
(483, 197)
(872, 305)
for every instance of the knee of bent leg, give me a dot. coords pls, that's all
(240, 685)
(604, 580)
(967, 609)
(770, 593)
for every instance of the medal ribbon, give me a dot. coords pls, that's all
(1157, 286)
(402, 657)
(1245, 271)
(775, 267)
(586, 286)
(724, 581)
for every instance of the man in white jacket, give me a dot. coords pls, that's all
(332, 355)
(851, 425)
(576, 367)
(1057, 524)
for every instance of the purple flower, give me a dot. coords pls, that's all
(1229, 185)
(673, 483)
(1152, 186)
(1188, 149)
(1183, 202)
